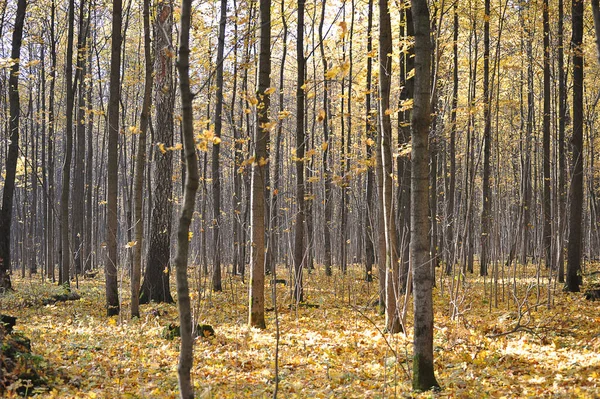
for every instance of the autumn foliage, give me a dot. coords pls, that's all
(500, 344)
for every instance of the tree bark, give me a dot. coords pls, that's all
(299, 246)
(259, 173)
(140, 166)
(155, 286)
(112, 293)
(186, 357)
(393, 324)
(216, 149)
(576, 192)
(13, 149)
(423, 371)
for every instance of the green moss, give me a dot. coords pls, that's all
(423, 375)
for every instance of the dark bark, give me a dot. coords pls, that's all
(140, 165)
(256, 317)
(576, 191)
(393, 324)
(186, 356)
(299, 246)
(112, 292)
(423, 370)
(487, 145)
(216, 149)
(155, 286)
(13, 150)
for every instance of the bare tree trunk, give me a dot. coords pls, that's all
(155, 286)
(216, 149)
(13, 150)
(63, 278)
(299, 246)
(112, 293)
(547, 230)
(576, 192)
(389, 227)
(259, 173)
(371, 130)
(487, 145)
(423, 371)
(140, 165)
(186, 357)
(562, 173)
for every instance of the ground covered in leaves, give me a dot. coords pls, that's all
(504, 341)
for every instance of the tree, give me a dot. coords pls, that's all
(186, 357)
(155, 286)
(112, 293)
(216, 170)
(390, 257)
(63, 277)
(259, 172)
(423, 372)
(6, 213)
(140, 165)
(300, 151)
(487, 144)
(576, 192)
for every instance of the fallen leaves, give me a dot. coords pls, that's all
(330, 351)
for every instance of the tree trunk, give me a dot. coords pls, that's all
(216, 149)
(371, 130)
(389, 227)
(259, 173)
(576, 192)
(186, 357)
(112, 292)
(300, 150)
(158, 259)
(140, 165)
(13, 150)
(423, 371)
(487, 145)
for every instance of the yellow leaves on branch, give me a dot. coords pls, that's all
(207, 136)
(163, 149)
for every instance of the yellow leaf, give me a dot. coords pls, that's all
(131, 244)
(370, 142)
(270, 91)
(190, 235)
(324, 146)
(253, 101)
(216, 140)
(321, 115)
(161, 147)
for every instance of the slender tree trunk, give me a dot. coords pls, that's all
(299, 246)
(487, 144)
(324, 116)
(576, 192)
(423, 371)
(450, 219)
(63, 278)
(562, 173)
(216, 149)
(371, 130)
(140, 165)
(112, 292)
(13, 150)
(391, 259)
(186, 357)
(547, 229)
(259, 173)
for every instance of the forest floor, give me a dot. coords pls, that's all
(494, 348)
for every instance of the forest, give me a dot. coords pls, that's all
(311, 198)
